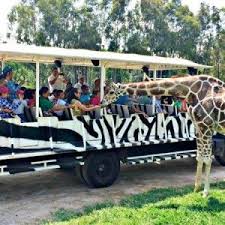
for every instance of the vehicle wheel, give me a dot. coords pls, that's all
(220, 159)
(101, 169)
(79, 173)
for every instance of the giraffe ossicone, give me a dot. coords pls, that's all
(206, 98)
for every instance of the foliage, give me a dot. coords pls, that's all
(23, 74)
(158, 206)
(161, 27)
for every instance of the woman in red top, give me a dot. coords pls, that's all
(95, 100)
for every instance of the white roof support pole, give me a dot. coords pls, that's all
(102, 81)
(3, 64)
(154, 74)
(153, 98)
(37, 88)
(102, 85)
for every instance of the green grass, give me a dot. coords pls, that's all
(170, 206)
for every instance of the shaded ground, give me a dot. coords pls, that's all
(26, 198)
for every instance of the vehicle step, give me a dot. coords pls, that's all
(29, 166)
(161, 157)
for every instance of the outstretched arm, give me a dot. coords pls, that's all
(85, 108)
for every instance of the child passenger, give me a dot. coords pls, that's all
(19, 111)
(60, 96)
(30, 97)
(6, 107)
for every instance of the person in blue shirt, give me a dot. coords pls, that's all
(123, 100)
(130, 101)
(145, 100)
(85, 95)
(13, 87)
(22, 103)
(6, 107)
(158, 105)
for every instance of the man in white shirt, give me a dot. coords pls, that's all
(56, 81)
(80, 83)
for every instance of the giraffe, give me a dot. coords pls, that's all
(206, 98)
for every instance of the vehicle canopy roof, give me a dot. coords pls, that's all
(83, 57)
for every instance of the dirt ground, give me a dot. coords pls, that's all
(27, 198)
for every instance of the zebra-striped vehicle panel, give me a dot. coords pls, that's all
(82, 133)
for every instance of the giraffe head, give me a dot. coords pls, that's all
(115, 91)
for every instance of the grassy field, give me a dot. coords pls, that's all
(169, 206)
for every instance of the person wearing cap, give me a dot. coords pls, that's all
(56, 80)
(19, 111)
(80, 83)
(6, 107)
(13, 87)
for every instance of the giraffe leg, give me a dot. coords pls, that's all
(208, 164)
(204, 148)
(198, 178)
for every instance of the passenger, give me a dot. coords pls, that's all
(144, 100)
(69, 87)
(2, 81)
(6, 107)
(13, 87)
(61, 102)
(123, 100)
(106, 88)
(29, 95)
(81, 81)
(96, 86)
(22, 103)
(167, 100)
(158, 105)
(130, 101)
(56, 80)
(184, 106)
(95, 99)
(85, 95)
(53, 97)
(46, 105)
(177, 103)
(180, 104)
(23, 89)
(76, 105)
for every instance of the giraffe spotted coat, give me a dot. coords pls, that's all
(206, 98)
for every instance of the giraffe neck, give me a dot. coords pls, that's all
(193, 88)
(179, 87)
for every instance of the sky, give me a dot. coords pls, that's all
(6, 6)
(195, 4)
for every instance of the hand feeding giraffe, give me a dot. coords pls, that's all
(206, 98)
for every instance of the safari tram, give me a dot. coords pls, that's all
(95, 145)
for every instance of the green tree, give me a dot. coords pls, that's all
(23, 75)
(161, 27)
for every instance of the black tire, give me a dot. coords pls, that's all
(220, 159)
(79, 173)
(101, 169)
